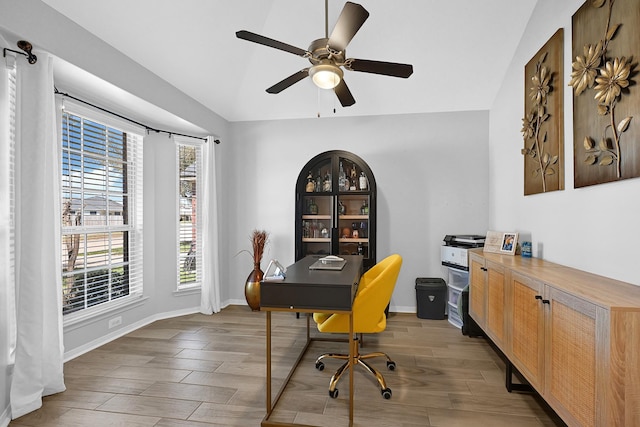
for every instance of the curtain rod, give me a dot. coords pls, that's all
(147, 128)
(26, 46)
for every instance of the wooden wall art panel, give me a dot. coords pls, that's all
(543, 123)
(606, 101)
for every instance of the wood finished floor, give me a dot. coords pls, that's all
(199, 371)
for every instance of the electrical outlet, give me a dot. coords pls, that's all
(116, 321)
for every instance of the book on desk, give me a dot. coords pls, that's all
(330, 262)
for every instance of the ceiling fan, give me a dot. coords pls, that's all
(328, 56)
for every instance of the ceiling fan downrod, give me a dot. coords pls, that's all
(326, 19)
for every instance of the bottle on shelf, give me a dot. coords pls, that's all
(353, 180)
(326, 183)
(342, 179)
(342, 209)
(313, 208)
(363, 182)
(310, 184)
(363, 229)
(364, 210)
(318, 183)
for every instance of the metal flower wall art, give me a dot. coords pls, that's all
(542, 124)
(532, 124)
(606, 146)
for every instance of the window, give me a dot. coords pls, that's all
(101, 212)
(189, 177)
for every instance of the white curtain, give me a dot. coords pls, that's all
(38, 369)
(210, 296)
(7, 299)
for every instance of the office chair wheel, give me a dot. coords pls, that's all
(391, 366)
(334, 394)
(320, 366)
(386, 393)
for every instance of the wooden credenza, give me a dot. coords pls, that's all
(575, 336)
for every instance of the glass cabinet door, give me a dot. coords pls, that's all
(353, 224)
(317, 220)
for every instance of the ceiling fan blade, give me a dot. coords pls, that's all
(344, 94)
(266, 41)
(349, 22)
(379, 67)
(289, 81)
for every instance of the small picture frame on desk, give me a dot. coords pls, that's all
(499, 242)
(509, 243)
(275, 272)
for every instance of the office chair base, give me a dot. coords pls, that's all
(359, 359)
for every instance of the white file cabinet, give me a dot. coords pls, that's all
(457, 281)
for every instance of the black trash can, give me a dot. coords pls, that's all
(431, 296)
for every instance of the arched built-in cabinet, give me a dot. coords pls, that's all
(336, 207)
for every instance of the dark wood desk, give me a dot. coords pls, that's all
(310, 291)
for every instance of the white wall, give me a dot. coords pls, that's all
(592, 228)
(431, 171)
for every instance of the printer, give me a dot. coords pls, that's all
(453, 252)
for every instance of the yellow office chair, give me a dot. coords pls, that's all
(373, 296)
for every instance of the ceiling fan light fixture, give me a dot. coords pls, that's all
(326, 76)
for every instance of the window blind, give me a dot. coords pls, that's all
(189, 236)
(101, 211)
(9, 164)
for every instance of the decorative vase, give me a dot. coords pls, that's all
(252, 287)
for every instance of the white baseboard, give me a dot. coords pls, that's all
(234, 302)
(5, 417)
(79, 351)
(402, 309)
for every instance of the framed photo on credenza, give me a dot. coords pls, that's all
(501, 242)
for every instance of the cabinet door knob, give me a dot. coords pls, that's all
(538, 296)
(483, 269)
(546, 301)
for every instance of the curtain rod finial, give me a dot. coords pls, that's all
(26, 46)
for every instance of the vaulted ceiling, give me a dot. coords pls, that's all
(459, 49)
